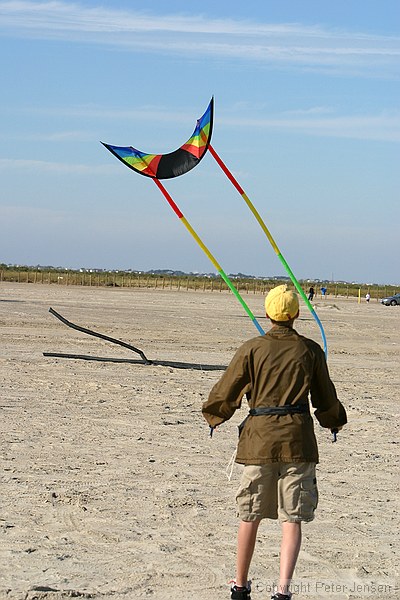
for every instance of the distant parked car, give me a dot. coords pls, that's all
(391, 300)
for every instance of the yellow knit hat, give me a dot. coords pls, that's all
(281, 304)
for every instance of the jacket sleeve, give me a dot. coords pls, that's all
(226, 395)
(329, 410)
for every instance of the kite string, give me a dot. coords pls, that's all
(265, 229)
(222, 273)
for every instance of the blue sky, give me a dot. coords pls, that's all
(307, 117)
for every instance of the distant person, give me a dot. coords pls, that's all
(324, 292)
(311, 294)
(367, 297)
(277, 446)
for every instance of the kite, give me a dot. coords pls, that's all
(167, 166)
(179, 162)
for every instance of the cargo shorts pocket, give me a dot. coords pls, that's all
(257, 494)
(308, 500)
(243, 501)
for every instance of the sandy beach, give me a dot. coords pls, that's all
(110, 484)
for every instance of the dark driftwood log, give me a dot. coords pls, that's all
(144, 361)
(100, 335)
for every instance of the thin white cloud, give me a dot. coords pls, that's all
(312, 121)
(74, 17)
(148, 112)
(33, 214)
(23, 165)
(55, 136)
(273, 44)
(313, 110)
(384, 127)
(63, 136)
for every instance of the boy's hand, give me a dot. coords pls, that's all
(212, 429)
(334, 432)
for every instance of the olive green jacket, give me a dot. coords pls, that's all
(279, 368)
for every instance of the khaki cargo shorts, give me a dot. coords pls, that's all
(287, 491)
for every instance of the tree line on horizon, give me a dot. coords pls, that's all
(178, 280)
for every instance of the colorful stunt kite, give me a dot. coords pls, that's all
(167, 166)
(179, 162)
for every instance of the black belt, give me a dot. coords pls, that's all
(287, 409)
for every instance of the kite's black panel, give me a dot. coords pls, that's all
(175, 164)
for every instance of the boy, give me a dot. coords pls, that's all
(277, 445)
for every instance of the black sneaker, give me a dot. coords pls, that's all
(240, 593)
(278, 596)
